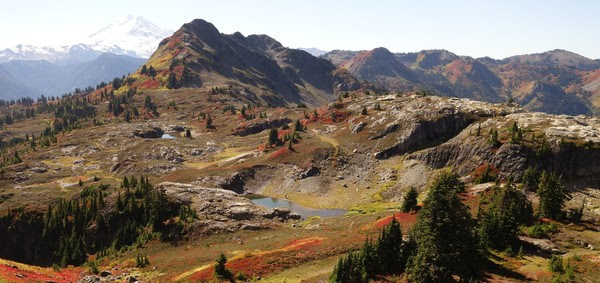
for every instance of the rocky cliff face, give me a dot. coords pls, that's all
(564, 144)
(410, 123)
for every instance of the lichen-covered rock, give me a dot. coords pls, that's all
(221, 210)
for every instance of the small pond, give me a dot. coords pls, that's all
(305, 212)
(167, 136)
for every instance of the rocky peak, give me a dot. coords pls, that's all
(376, 63)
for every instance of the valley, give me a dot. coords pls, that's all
(290, 166)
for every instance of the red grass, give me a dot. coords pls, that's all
(12, 274)
(406, 219)
(278, 152)
(150, 84)
(281, 133)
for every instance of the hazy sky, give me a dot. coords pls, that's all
(467, 27)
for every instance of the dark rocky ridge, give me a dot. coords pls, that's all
(258, 63)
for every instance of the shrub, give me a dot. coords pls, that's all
(540, 230)
(556, 264)
(93, 267)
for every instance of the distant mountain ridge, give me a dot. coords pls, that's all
(132, 36)
(556, 81)
(314, 51)
(114, 51)
(34, 78)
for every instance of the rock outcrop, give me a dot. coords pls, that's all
(571, 147)
(222, 210)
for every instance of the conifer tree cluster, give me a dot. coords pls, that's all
(499, 222)
(553, 195)
(387, 255)
(443, 244)
(74, 228)
(516, 133)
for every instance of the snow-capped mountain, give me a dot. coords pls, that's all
(132, 36)
(33, 53)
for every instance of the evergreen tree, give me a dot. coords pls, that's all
(387, 256)
(499, 223)
(410, 200)
(444, 235)
(221, 272)
(151, 72)
(172, 81)
(493, 140)
(364, 111)
(553, 195)
(273, 138)
(298, 126)
(209, 122)
(143, 70)
(531, 178)
(377, 107)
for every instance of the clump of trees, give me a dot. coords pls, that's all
(553, 195)
(444, 235)
(387, 255)
(443, 244)
(493, 138)
(499, 222)
(70, 230)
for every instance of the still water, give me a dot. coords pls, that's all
(305, 212)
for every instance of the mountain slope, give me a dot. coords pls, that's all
(42, 77)
(104, 68)
(557, 57)
(544, 97)
(260, 67)
(11, 88)
(556, 81)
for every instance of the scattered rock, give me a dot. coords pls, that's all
(358, 128)
(543, 245)
(38, 170)
(175, 128)
(147, 131)
(196, 152)
(310, 172)
(105, 273)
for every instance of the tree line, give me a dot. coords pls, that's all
(72, 229)
(446, 243)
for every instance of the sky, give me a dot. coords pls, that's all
(475, 28)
